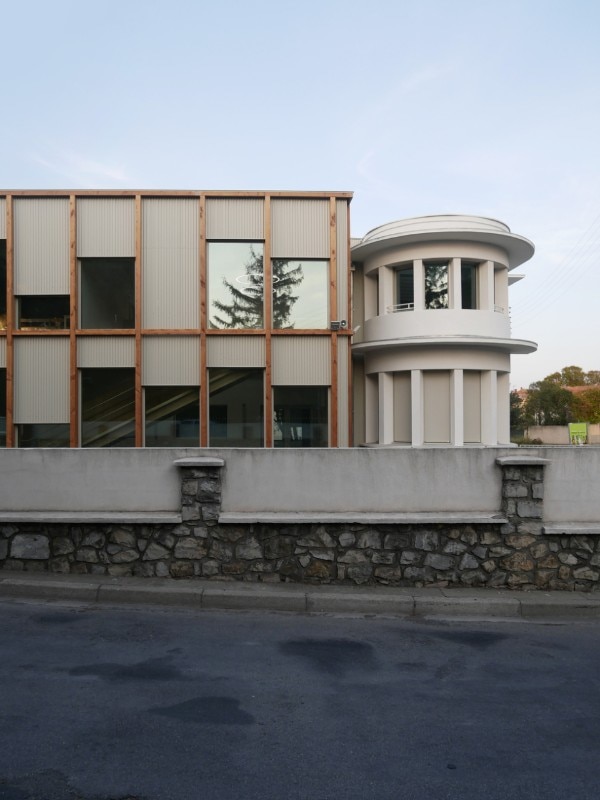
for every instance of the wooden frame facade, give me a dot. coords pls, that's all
(337, 272)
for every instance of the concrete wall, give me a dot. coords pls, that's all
(559, 434)
(354, 480)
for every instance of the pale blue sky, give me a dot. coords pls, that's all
(476, 107)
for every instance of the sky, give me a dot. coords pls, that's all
(429, 107)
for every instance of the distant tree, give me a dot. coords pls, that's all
(592, 378)
(586, 406)
(548, 404)
(247, 300)
(516, 411)
(572, 376)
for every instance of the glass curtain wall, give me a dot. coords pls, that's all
(44, 435)
(436, 284)
(236, 407)
(172, 416)
(405, 289)
(300, 294)
(300, 416)
(108, 407)
(468, 280)
(43, 312)
(107, 293)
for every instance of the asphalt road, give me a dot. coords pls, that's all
(128, 704)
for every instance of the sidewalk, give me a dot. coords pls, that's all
(301, 598)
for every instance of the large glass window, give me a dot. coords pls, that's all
(46, 312)
(108, 407)
(236, 407)
(2, 408)
(44, 435)
(172, 415)
(300, 294)
(235, 285)
(107, 293)
(2, 284)
(300, 416)
(468, 282)
(436, 284)
(405, 289)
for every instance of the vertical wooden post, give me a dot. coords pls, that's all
(203, 326)
(333, 311)
(268, 323)
(139, 411)
(10, 309)
(73, 325)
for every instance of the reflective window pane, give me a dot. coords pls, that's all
(300, 294)
(236, 408)
(2, 284)
(405, 290)
(235, 285)
(43, 312)
(108, 407)
(468, 280)
(44, 435)
(172, 416)
(436, 284)
(301, 418)
(107, 293)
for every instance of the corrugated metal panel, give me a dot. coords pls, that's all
(343, 392)
(343, 263)
(170, 263)
(105, 227)
(235, 351)
(41, 226)
(301, 360)
(299, 228)
(3, 351)
(2, 218)
(235, 218)
(171, 361)
(106, 351)
(41, 380)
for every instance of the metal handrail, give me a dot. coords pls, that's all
(400, 307)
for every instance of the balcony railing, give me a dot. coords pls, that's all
(400, 307)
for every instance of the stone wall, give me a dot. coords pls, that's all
(512, 553)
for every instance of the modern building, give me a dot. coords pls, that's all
(225, 319)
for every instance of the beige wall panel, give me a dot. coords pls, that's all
(301, 360)
(170, 263)
(171, 361)
(299, 228)
(41, 380)
(235, 351)
(3, 351)
(2, 218)
(472, 406)
(235, 218)
(343, 263)
(105, 227)
(402, 407)
(41, 227)
(343, 392)
(106, 351)
(503, 388)
(436, 403)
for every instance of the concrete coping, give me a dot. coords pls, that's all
(199, 461)
(572, 528)
(522, 461)
(363, 517)
(83, 517)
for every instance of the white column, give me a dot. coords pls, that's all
(489, 407)
(416, 406)
(503, 407)
(457, 412)
(419, 279)
(454, 287)
(370, 290)
(371, 409)
(386, 408)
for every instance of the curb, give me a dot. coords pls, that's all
(202, 594)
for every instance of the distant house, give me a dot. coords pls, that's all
(247, 319)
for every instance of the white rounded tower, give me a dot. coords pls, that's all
(432, 337)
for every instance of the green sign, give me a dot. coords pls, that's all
(578, 432)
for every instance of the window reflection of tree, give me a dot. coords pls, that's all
(436, 285)
(247, 298)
